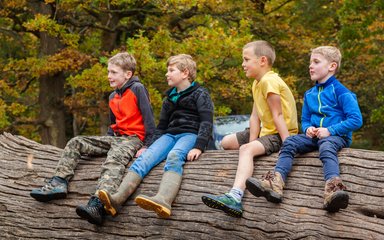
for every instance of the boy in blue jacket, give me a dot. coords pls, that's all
(329, 116)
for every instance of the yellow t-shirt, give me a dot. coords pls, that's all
(272, 83)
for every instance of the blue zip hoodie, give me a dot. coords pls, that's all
(331, 105)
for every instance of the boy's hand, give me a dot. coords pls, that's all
(322, 133)
(141, 150)
(311, 132)
(193, 154)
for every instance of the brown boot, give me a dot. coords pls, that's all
(335, 197)
(112, 202)
(270, 186)
(161, 203)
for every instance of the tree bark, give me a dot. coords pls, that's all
(52, 113)
(25, 164)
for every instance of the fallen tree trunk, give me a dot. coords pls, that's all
(25, 164)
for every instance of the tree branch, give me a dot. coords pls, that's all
(277, 8)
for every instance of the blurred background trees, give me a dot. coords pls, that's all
(53, 55)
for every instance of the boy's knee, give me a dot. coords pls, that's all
(327, 146)
(75, 141)
(230, 142)
(175, 161)
(290, 141)
(254, 148)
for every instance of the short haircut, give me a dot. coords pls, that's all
(183, 62)
(124, 60)
(263, 48)
(332, 54)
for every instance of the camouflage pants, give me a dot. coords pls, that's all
(119, 151)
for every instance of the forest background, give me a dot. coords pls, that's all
(53, 55)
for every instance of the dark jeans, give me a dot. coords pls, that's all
(299, 144)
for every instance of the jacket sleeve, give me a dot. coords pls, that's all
(205, 109)
(112, 118)
(163, 122)
(354, 119)
(146, 112)
(305, 116)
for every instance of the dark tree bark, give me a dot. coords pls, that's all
(299, 216)
(51, 89)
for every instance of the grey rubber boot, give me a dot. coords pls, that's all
(161, 203)
(112, 202)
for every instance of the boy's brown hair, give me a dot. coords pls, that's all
(263, 48)
(124, 60)
(184, 62)
(332, 54)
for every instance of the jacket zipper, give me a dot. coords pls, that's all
(318, 98)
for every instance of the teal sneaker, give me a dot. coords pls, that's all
(225, 203)
(56, 188)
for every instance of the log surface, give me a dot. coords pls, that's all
(25, 165)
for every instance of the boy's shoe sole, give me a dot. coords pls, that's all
(338, 201)
(104, 198)
(212, 203)
(147, 204)
(85, 215)
(45, 197)
(254, 187)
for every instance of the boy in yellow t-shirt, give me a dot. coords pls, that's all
(273, 119)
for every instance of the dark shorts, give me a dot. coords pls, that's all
(271, 143)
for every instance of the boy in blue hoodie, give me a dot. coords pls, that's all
(329, 116)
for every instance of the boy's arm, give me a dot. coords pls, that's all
(112, 120)
(354, 119)
(254, 124)
(163, 124)
(305, 117)
(274, 103)
(205, 110)
(146, 112)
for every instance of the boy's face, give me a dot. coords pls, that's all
(251, 63)
(175, 77)
(117, 77)
(320, 68)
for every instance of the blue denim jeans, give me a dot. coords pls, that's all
(173, 148)
(299, 144)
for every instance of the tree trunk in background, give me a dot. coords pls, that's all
(52, 112)
(51, 90)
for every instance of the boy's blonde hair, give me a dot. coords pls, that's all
(124, 60)
(332, 54)
(263, 48)
(183, 62)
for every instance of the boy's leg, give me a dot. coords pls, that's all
(171, 181)
(230, 202)
(137, 171)
(155, 153)
(177, 156)
(297, 144)
(245, 166)
(335, 198)
(122, 150)
(77, 146)
(328, 149)
(56, 188)
(271, 184)
(235, 140)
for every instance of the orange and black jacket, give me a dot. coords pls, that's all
(131, 112)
